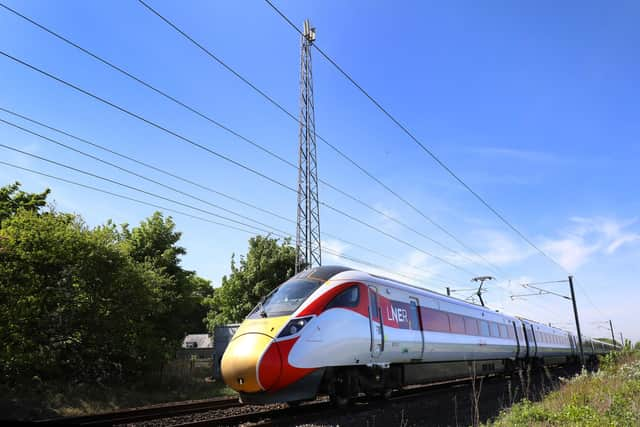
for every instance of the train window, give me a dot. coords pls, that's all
(436, 320)
(484, 328)
(457, 323)
(350, 297)
(286, 298)
(503, 331)
(471, 326)
(493, 329)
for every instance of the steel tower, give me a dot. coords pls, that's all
(308, 228)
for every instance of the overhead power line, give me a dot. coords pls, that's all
(136, 174)
(149, 122)
(431, 275)
(132, 199)
(131, 187)
(428, 151)
(148, 165)
(381, 231)
(330, 145)
(232, 131)
(153, 124)
(122, 196)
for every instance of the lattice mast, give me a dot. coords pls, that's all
(308, 228)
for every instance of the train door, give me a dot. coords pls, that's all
(526, 340)
(375, 324)
(515, 331)
(415, 318)
(535, 341)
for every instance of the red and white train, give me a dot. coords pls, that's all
(337, 331)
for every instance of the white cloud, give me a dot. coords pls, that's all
(627, 238)
(588, 237)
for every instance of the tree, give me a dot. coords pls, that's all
(12, 200)
(267, 264)
(72, 304)
(84, 303)
(179, 300)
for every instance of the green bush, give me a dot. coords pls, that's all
(89, 304)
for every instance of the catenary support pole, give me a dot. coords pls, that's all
(613, 337)
(575, 313)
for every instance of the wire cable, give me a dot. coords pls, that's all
(224, 127)
(113, 165)
(147, 165)
(100, 190)
(429, 152)
(156, 125)
(418, 142)
(397, 239)
(149, 122)
(330, 145)
(122, 196)
(335, 237)
(130, 187)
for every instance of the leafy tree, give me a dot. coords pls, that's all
(12, 199)
(267, 264)
(180, 300)
(84, 303)
(72, 303)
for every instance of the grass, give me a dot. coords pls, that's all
(51, 400)
(609, 397)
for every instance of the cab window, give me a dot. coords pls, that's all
(350, 297)
(285, 299)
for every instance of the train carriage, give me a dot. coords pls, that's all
(342, 332)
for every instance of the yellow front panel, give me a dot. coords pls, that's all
(240, 360)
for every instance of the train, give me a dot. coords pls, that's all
(341, 332)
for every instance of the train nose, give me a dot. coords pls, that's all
(251, 363)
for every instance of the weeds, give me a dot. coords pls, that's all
(609, 397)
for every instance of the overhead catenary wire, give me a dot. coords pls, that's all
(417, 141)
(588, 298)
(426, 149)
(147, 165)
(122, 196)
(136, 174)
(330, 145)
(227, 128)
(369, 264)
(381, 231)
(125, 197)
(432, 275)
(148, 121)
(131, 187)
(154, 124)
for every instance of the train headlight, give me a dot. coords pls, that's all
(294, 326)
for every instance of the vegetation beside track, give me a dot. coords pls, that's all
(60, 399)
(608, 397)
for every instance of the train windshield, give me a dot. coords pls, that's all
(286, 298)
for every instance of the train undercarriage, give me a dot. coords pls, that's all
(342, 384)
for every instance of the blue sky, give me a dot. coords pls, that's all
(534, 104)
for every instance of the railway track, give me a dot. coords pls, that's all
(230, 412)
(147, 413)
(429, 396)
